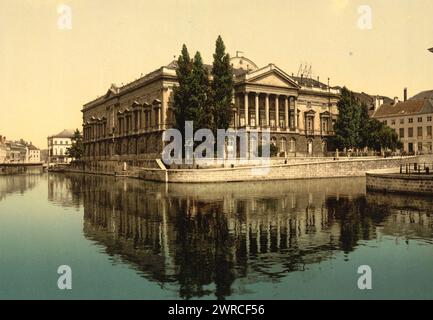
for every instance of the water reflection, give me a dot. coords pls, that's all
(200, 239)
(17, 184)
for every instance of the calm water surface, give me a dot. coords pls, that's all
(274, 240)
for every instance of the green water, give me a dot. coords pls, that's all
(274, 240)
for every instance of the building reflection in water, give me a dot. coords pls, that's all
(18, 183)
(201, 238)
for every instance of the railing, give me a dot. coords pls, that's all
(416, 168)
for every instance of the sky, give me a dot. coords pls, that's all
(51, 65)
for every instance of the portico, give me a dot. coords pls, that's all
(266, 99)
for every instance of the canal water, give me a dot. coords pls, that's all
(127, 238)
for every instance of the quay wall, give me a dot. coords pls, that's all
(400, 183)
(19, 168)
(355, 167)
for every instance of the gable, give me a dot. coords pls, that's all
(275, 79)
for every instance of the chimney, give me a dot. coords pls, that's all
(376, 103)
(405, 94)
(395, 100)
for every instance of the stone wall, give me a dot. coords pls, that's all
(329, 169)
(400, 183)
(301, 170)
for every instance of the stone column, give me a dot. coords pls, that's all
(267, 109)
(296, 113)
(164, 105)
(247, 120)
(159, 109)
(257, 110)
(286, 111)
(277, 111)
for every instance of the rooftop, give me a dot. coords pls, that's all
(66, 133)
(420, 103)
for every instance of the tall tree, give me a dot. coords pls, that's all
(347, 124)
(182, 92)
(200, 95)
(222, 87)
(76, 150)
(364, 119)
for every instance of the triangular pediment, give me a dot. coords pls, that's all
(272, 76)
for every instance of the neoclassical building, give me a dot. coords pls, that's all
(127, 122)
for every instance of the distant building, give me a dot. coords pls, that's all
(34, 154)
(3, 149)
(58, 145)
(372, 102)
(412, 120)
(17, 152)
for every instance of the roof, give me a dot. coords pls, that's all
(423, 95)
(309, 82)
(67, 133)
(402, 108)
(208, 67)
(32, 147)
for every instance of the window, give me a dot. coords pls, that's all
(310, 123)
(419, 131)
(410, 120)
(419, 146)
(429, 147)
(429, 131)
(385, 122)
(292, 145)
(283, 145)
(410, 132)
(402, 121)
(392, 122)
(429, 118)
(419, 119)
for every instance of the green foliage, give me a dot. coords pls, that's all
(363, 126)
(76, 150)
(222, 87)
(196, 99)
(182, 92)
(192, 96)
(354, 128)
(347, 126)
(381, 136)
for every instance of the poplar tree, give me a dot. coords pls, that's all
(182, 92)
(199, 99)
(222, 87)
(347, 124)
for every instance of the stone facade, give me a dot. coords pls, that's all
(58, 145)
(412, 120)
(127, 122)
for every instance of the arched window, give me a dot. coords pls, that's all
(324, 146)
(283, 143)
(292, 145)
(310, 147)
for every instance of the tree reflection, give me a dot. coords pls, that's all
(207, 240)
